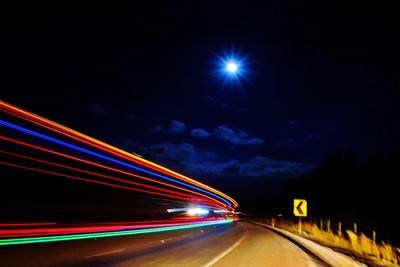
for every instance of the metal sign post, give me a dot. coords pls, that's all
(299, 225)
(300, 210)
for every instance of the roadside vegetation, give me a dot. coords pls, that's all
(349, 241)
(348, 189)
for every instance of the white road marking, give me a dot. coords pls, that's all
(105, 253)
(225, 252)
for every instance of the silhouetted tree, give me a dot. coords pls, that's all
(345, 189)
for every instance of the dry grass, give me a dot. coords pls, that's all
(359, 243)
(367, 246)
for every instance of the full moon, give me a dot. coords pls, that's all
(232, 67)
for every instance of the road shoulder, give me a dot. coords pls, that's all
(327, 255)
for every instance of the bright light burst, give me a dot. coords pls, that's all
(197, 211)
(232, 68)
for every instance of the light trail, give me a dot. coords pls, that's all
(7, 233)
(103, 146)
(92, 181)
(108, 168)
(101, 175)
(42, 239)
(157, 180)
(92, 153)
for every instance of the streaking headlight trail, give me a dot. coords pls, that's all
(147, 230)
(36, 144)
(137, 163)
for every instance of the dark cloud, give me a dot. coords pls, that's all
(264, 166)
(195, 161)
(175, 127)
(254, 167)
(200, 133)
(238, 137)
(179, 152)
(222, 132)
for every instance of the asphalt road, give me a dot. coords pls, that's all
(243, 244)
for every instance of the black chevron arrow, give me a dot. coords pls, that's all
(299, 210)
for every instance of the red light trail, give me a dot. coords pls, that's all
(91, 181)
(13, 110)
(158, 181)
(98, 175)
(219, 204)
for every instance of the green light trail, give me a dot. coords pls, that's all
(42, 239)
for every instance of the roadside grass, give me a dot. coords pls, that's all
(382, 252)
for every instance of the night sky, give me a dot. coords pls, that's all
(317, 79)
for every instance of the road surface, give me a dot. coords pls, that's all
(243, 244)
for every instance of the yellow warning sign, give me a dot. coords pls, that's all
(300, 207)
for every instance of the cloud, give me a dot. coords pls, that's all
(238, 137)
(195, 161)
(254, 167)
(199, 133)
(175, 127)
(222, 132)
(187, 157)
(264, 166)
(183, 154)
